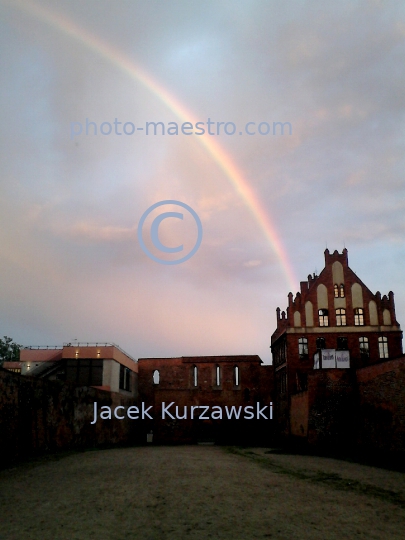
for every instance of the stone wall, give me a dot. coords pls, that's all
(38, 416)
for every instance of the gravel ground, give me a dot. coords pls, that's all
(199, 492)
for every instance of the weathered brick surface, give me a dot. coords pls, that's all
(353, 409)
(176, 385)
(38, 415)
(299, 414)
(332, 408)
(381, 411)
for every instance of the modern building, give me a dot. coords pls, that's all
(334, 322)
(101, 365)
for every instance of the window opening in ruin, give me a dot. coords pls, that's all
(236, 379)
(218, 376)
(195, 376)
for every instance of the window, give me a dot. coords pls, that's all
(156, 377)
(301, 381)
(323, 317)
(342, 291)
(283, 382)
(359, 317)
(195, 376)
(87, 372)
(342, 344)
(383, 347)
(364, 348)
(340, 317)
(320, 343)
(125, 378)
(336, 291)
(218, 376)
(279, 351)
(236, 376)
(303, 347)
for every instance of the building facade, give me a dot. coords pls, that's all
(335, 321)
(229, 383)
(100, 365)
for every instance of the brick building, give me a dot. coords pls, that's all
(335, 321)
(221, 381)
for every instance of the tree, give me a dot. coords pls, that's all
(9, 351)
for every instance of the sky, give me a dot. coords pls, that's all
(71, 263)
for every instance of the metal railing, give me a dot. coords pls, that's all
(38, 347)
(79, 344)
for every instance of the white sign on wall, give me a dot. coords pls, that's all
(342, 359)
(328, 358)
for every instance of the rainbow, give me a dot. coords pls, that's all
(218, 154)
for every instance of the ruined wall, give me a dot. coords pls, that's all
(37, 415)
(381, 411)
(176, 385)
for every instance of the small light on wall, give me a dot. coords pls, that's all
(77, 354)
(28, 366)
(98, 353)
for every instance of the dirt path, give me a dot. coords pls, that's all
(199, 492)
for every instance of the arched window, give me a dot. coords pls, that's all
(342, 291)
(340, 317)
(342, 344)
(383, 347)
(156, 377)
(303, 347)
(336, 290)
(217, 375)
(236, 376)
(323, 317)
(364, 348)
(320, 343)
(359, 316)
(195, 376)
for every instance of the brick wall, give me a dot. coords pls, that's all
(324, 415)
(381, 411)
(299, 414)
(332, 408)
(38, 415)
(176, 385)
(345, 409)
